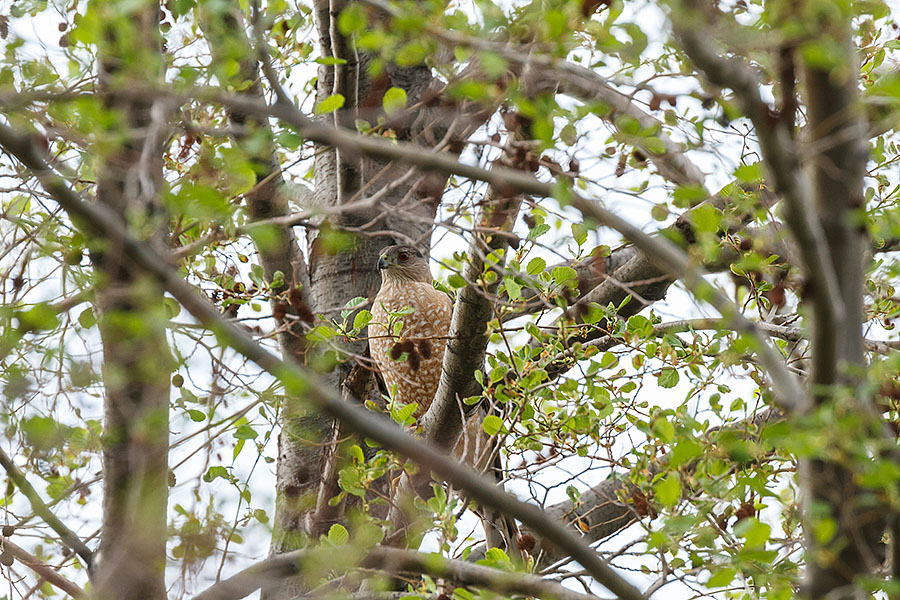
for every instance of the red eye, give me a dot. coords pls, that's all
(403, 256)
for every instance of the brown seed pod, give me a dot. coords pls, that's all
(641, 505)
(425, 349)
(722, 521)
(582, 309)
(776, 295)
(529, 220)
(746, 510)
(295, 297)
(620, 166)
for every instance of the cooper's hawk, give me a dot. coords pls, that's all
(406, 284)
(409, 317)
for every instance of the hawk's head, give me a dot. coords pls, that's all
(404, 263)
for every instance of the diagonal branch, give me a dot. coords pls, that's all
(43, 570)
(68, 537)
(303, 385)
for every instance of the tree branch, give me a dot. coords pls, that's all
(42, 569)
(68, 537)
(779, 152)
(394, 561)
(586, 85)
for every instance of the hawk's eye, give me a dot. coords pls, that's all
(403, 256)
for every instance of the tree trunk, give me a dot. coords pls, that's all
(343, 251)
(839, 360)
(132, 321)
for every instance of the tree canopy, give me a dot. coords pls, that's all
(669, 229)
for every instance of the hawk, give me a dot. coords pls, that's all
(411, 317)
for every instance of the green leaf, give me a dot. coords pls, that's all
(536, 265)
(668, 489)
(362, 319)
(660, 212)
(245, 432)
(196, 415)
(564, 276)
(749, 173)
(39, 317)
(338, 535)
(684, 451)
(513, 289)
(43, 433)
(456, 281)
(664, 430)
(492, 424)
(579, 232)
(568, 134)
(492, 64)
(667, 378)
(330, 61)
(685, 197)
(330, 104)
(87, 319)
(721, 578)
(394, 100)
(755, 532)
(403, 414)
(352, 19)
(654, 145)
(214, 473)
(173, 307)
(706, 217)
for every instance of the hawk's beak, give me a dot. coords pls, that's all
(382, 263)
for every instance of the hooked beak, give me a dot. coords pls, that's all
(382, 263)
